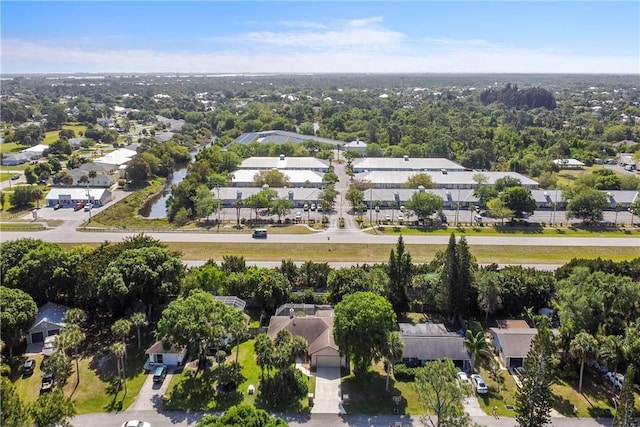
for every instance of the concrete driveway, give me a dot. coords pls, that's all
(328, 397)
(150, 396)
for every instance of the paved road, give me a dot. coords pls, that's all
(67, 233)
(159, 419)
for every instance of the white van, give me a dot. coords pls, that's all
(259, 233)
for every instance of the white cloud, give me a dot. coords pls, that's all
(364, 22)
(314, 35)
(302, 24)
(19, 56)
(463, 43)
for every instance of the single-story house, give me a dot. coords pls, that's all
(513, 344)
(296, 177)
(15, 159)
(158, 355)
(173, 125)
(49, 321)
(299, 196)
(36, 151)
(357, 146)
(283, 163)
(164, 136)
(425, 342)
(448, 179)
(115, 158)
(68, 197)
(76, 142)
(317, 330)
(100, 180)
(568, 163)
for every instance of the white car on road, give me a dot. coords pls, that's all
(136, 423)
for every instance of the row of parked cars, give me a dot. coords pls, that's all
(476, 380)
(48, 379)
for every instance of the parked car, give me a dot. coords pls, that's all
(479, 384)
(298, 216)
(305, 207)
(313, 206)
(88, 207)
(136, 423)
(600, 368)
(616, 379)
(56, 206)
(319, 208)
(400, 218)
(28, 367)
(78, 206)
(160, 373)
(47, 382)
(14, 177)
(462, 377)
(387, 217)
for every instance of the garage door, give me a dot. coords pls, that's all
(328, 362)
(37, 337)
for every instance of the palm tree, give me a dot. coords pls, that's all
(138, 320)
(83, 179)
(92, 175)
(72, 336)
(239, 331)
(583, 347)
(121, 328)
(478, 348)
(119, 350)
(392, 352)
(611, 352)
(263, 348)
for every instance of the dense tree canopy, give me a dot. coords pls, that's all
(242, 416)
(362, 323)
(17, 315)
(196, 321)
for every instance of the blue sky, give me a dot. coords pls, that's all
(320, 37)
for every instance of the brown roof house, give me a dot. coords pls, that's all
(315, 325)
(424, 342)
(159, 356)
(513, 344)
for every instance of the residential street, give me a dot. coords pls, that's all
(314, 420)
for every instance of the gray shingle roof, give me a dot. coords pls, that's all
(515, 342)
(434, 348)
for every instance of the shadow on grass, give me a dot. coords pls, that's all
(367, 395)
(197, 390)
(519, 228)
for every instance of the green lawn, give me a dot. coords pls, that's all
(499, 394)
(594, 400)
(94, 392)
(367, 395)
(53, 135)
(196, 390)
(11, 147)
(575, 231)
